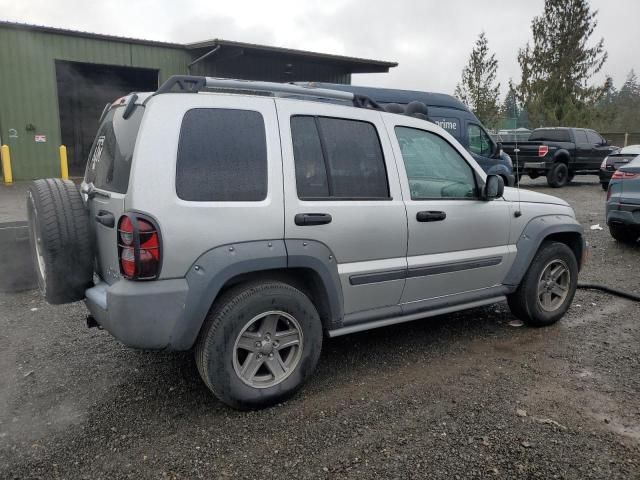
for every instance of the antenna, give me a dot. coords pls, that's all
(516, 150)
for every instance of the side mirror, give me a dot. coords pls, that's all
(493, 188)
(496, 152)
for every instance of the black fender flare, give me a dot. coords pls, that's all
(213, 269)
(534, 233)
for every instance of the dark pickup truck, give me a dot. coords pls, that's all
(559, 153)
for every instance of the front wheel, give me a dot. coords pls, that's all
(548, 287)
(259, 344)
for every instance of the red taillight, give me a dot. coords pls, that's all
(543, 150)
(618, 175)
(138, 248)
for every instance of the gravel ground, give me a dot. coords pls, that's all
(459, 396)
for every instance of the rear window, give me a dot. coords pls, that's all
(222, 156)
(550, 135)
(109, 162)
(338, 158)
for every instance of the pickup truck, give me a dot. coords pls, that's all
(558, 153)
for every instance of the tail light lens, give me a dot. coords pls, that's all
(618, 175)
(139, 248)
(543, 150)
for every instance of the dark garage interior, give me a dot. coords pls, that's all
(83, 91)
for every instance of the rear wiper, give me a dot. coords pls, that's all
(90, 191)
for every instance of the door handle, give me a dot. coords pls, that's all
(305, 219)
(106, 218)
(430, 216)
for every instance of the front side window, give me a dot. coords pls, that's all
(581, 136)
(434, 168)
(222, 156)
(479, 141)
(338, 158)
(594, 138)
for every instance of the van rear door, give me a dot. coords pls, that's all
(106, 182)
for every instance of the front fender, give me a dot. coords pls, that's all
(532, 236)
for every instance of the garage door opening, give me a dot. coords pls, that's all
(83, 91)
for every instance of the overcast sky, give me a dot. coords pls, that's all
(430, 39)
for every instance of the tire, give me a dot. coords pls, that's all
(526, 303)
(558, 175)
(623, 234)
(60, 240)
(605, 186)
(240, 318)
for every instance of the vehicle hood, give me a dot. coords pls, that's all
(511, 195)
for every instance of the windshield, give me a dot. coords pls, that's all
(109, 163)
(552, 135)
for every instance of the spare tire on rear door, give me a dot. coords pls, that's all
(60, 239)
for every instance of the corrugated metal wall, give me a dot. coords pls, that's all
(271, 68)
(28, 93)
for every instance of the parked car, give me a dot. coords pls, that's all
(449, 113)
(616, 160)
(350, 219)
(559, 153)
(623, 203)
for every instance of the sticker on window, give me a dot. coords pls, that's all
(450, 124)
(97, 152)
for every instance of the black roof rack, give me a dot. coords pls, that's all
(195, 84)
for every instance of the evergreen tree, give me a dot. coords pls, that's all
(478, 88)
(557, 67)
(510, 109)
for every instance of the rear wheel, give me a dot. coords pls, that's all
(548, 287)
(605, 186)
(60, 240)
(558, 175)
(259, 344)
(623, 234)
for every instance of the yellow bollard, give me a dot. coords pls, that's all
(6, 165)
(64, 166)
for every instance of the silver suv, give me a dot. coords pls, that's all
(248, 220)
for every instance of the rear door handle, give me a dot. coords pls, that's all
(106, 218)
(305, 219)
(430, 216)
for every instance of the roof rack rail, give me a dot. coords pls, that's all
(194, 84)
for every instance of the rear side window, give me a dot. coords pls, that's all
(109, 164)
(222, 156)
(551, 135)
(338, 159)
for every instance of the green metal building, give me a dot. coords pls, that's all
(54, 83)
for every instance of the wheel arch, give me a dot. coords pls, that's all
(560, 228)
(307, 265)
(562, 156)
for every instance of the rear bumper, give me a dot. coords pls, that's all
(145, 315)
(624, 214)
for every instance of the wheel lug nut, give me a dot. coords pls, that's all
(258, 344)
(271, 355)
